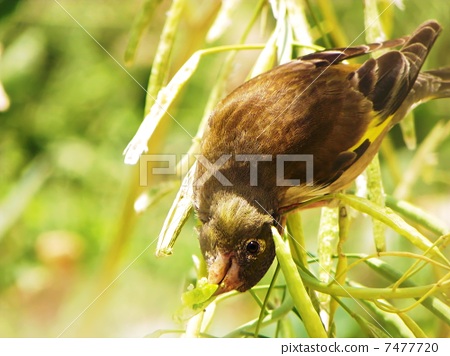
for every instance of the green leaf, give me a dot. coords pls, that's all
(300, 296)
(196, 299)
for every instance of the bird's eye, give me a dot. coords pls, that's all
(253, 247)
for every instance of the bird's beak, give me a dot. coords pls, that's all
(224, 271)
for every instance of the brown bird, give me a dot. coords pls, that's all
(301, 130)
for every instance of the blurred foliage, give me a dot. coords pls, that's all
(70, 265)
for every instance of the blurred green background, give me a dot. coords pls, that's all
(75, 260)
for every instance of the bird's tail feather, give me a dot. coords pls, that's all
(439, 83)
(431, 84)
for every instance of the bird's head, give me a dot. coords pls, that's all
(236, 242)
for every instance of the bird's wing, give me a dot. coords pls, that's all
(385, 82)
